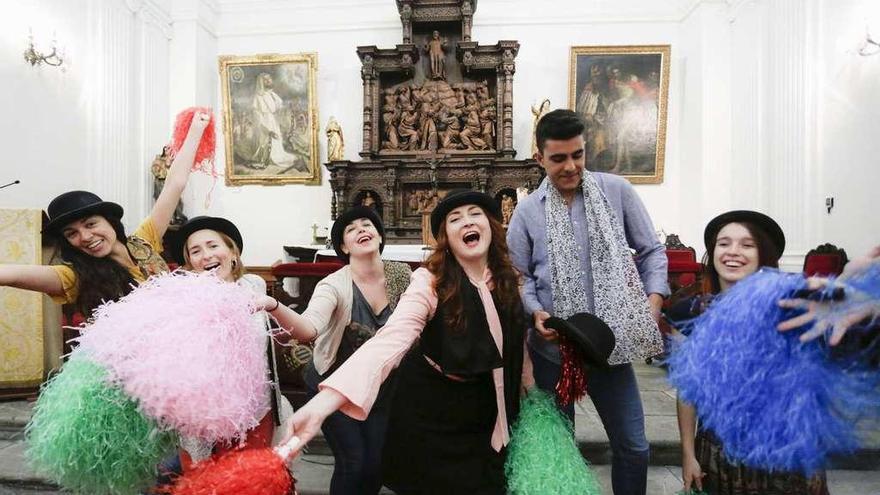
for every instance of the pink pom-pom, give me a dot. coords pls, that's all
(241, 472)
(205, 152)
(190, 349)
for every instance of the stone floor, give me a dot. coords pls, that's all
(859, 475)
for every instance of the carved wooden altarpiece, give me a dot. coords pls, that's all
(437, 116)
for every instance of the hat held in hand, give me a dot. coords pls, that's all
(591, 336)
(584, 339)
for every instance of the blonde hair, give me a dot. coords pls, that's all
(238, 270)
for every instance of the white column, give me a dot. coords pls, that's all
(790, 106)
(155, 127)
(112, 119)
(749, 50)
(128, 51)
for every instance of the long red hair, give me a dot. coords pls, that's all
(448, 276)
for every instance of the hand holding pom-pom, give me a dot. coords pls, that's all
(196, 123)
(201, 120)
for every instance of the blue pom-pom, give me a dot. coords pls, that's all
(774, 402)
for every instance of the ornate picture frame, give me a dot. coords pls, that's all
(270, 119)
(622, 92)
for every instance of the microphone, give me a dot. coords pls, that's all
(16, 181)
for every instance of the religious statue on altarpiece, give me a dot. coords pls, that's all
(435, 48)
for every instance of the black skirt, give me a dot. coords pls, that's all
(439, 433)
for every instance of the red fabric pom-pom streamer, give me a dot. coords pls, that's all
(240, 472)
(205, 152)
(572, 384)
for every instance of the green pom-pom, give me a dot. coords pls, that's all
(89, 437)
(542, 456)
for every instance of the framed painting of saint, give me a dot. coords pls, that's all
(270, 119)
(621, 92)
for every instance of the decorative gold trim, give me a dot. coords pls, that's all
(227, 61)
(664, 52)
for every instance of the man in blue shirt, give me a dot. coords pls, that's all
(572, 239)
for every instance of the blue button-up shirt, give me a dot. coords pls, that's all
(527, 242)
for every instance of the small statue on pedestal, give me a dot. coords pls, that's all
(507, 206)
(435, 47)
(369, 201)
(335, 141)
(538, 111)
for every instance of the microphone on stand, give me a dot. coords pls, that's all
(11, 183)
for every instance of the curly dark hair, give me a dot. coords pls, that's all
(449, 275)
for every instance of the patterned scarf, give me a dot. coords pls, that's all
(618, 295)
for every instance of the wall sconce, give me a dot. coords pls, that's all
(33, 57)
(869, 46)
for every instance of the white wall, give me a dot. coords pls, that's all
(44, 125)
(769, 106)
(849, 113)
(97, 123)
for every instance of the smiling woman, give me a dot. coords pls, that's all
(457, 338)
(738, 244)
(214, 244)
(102, 263)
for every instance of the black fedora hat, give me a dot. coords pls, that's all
(349, 216)
(589, 334)
(74, 205)
(762, 221)
(196, 224)
(460, 197)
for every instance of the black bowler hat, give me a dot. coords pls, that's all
(762, 221)
(196, 224)
(589, 334)
(349, 216)
(461, 197)
(74, 205)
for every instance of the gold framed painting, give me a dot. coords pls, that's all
(270, 119)
(621, 92)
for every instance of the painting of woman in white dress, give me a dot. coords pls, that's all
(270, 119)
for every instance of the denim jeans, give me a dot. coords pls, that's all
(615, 393)
(356, 445)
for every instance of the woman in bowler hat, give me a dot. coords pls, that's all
(738, 244)
(100, 262)
(347, 308)
(457, 340)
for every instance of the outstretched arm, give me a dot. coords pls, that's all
(829, 313)
(178, 174)
(295, 326)
(32, 277)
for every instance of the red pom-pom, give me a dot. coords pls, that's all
(572, 384)
(240, 472)
(205, 151)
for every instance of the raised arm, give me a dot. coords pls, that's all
(178, 174)
(32, 277)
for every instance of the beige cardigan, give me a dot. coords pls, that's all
(329, 310)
